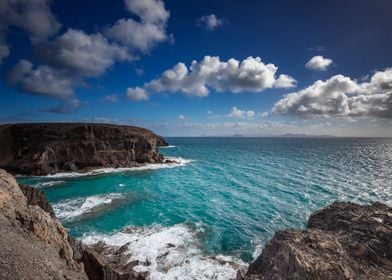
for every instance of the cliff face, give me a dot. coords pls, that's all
(40, 149)
(34, 245)
(342, 241)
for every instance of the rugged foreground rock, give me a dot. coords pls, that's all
(342, 241)
(40, 149)
(103, 263)
(33, 244)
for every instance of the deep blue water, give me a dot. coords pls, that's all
(234, 194)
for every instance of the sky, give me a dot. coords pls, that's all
(200, 68)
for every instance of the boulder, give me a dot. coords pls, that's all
(342, 241)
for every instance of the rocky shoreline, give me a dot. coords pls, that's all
(42, 149)
(342, 241)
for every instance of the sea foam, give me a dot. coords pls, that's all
(70, 209)
(168, 147)
(168, 253)
(176, 162)
(48, 184)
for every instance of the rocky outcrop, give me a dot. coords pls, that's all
(37, 197)
(105, 263)
(34, 245)
(40, 149)
(342, 241)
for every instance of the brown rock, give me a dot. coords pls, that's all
(342, 241)
(105, 263)
(37, 197)
(34, 245)
(40, 149)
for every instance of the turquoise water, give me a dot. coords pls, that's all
(234, 194)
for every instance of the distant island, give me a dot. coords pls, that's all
(306, 135)
(342, 241)
(286, 135)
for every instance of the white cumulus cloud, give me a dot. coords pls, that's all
(318, 63)
(69, 58)
(148, 10)
(144, 34)
(31, 16)
(210, 22)
(42, 80)
(250, 74)
(341, 96)
(237, 113)
(82, 54)
(137, 94)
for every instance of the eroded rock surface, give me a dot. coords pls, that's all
(40, 149)
(37, 197)
(33, 244)
(105, 263)
(342, 241)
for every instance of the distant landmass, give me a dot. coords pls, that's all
(288, 135)
(306, 135)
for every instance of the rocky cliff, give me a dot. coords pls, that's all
(342, 241)
(34, 244)
(40, 149)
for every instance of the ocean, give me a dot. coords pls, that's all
(210, 213)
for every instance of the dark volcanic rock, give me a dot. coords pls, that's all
(33, 244)
(40, 149)
(105, 263)
(37, 197)
(342, 241)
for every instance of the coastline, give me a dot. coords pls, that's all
(91, 171)
(181, 224)
(341, 241)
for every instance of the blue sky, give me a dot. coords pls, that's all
(191, 68)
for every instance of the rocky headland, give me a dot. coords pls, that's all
(342, 241)
(41, 149)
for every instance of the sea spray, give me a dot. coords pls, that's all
(172, 252)
(173, 162)
(70, 209)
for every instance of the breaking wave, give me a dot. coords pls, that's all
(48, 184)
(175, 162)
(168, 147)
(71, 209)
(166, 253)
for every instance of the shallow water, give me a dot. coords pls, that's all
(227, 197)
